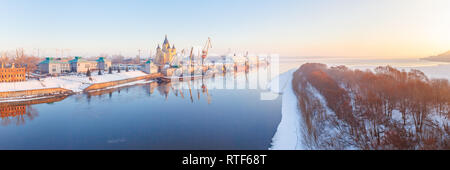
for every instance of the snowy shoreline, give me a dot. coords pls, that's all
(288, 135)
(73, 83)
(30, 98)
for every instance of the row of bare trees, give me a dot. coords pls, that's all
(384, 109)
(19, 57)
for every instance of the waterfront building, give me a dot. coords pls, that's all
(124, 66)
(103, 64)
(80, 65)
(150, 68)
(165, 55)
(54, 66)
(12, 73)
(134, 66)
(168, 71)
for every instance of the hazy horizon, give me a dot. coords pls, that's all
(291, 28)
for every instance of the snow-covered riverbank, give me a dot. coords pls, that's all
(74, 83)
(63, 85)
(288, 135)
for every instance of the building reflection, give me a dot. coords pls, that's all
(10, 113)
(164, 89)
(19, 112)
(192, 90)
(152, 87)
(103, 92)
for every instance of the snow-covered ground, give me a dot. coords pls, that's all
(72, 82)
(288, 135)
(105, 77)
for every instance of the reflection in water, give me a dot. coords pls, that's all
(14, 114)
(198, 114)
(18, 112)
(196, 89)
(151, 87)
(163, 89)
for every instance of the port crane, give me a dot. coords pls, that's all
(191, 58)
(205, 52)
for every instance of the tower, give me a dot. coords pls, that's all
(166, 54)
(166, 43)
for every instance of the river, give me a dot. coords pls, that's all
(223, 112)
(152, 116)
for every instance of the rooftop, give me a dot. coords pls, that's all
(11, 66)
(53, 60)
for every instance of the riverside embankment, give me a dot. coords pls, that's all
(67, 85)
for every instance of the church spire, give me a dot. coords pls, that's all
(166, 41)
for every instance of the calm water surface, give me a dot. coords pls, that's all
(150, 116)
(165, 116)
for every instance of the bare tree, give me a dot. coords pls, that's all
(4, 59)
(28, 61)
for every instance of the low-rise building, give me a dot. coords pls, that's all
(124, 66)
(168, 71)
(80, 65)
(103, 64)
(54, 66)
(12, 73)
(150, 68)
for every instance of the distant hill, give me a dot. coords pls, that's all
(445, 57)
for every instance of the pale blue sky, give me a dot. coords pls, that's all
(403, 28)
